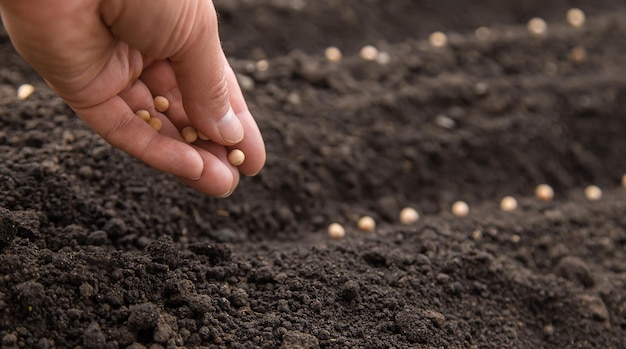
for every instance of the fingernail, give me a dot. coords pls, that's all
(230, 127)
(229, 193)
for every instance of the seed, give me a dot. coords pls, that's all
(262, 65)
(516, 238)
(189, 134)
(482, 33)
(336, 231)
(537, 27)
(366, 224)
(333, 54)
(368, 53)
(202, 136)
(25, 90)
(437, 39)
(156, 124)
(144, 114)
(477, 235)
(460, 209)
(508, 204)
(624, 180)
(593, 193)
(578, 55)
(161, 104)
(236, 157)
(575, 17)
(544, 192)
(383, 58)
(409, 215)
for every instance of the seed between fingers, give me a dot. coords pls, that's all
(161, 104)
(236, 157)
(190, 134)
(144, 114)
(156, 124)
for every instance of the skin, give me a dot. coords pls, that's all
(108, 58)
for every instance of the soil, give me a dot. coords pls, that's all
(100, 251)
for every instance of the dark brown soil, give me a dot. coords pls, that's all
(100, 251)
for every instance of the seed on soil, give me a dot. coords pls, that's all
(624, 180)
(189, 134)
(144, 114)
(202, 136)
(236, 157)
(368, 53)
(409, 215)
(575, 17)
(383, 58)
(578, 55)
(544, 192)
(366, 224)
(593, 193)
(482, 33)
(508, 204)
(156, 124)
(25, 90)
(161, 104)
(262, 65)
(460, 209)
(477, 235)
(333, 54)
(336, 231)
(516, 238)
(537, 27)
(437, 39)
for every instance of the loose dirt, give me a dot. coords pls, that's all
(99, 251)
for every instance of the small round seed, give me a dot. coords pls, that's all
(477, 235)
(537, 27)
(383, 58)
(624, 180)
(189, 134)
(236, 157)
(366, 224)
(508, 204)
(202, 136)
(156, 124)
(368, 53)
(333, 54)
(516, 238)
(409, 215)
(262, 65)
(25, 90)
(144, 114)
(161, 104)
(593, 193)
(482, 33)
(336, 231)
(578, 55)
(575, 17)
(460, 209)
(437, 39)
(544, 192)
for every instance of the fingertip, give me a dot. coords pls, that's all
(230, 128)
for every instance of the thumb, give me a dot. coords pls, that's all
(186, 33)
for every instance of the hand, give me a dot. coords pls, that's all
(108, 58)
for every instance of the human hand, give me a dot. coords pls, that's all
(108, 58)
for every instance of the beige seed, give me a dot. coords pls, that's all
(368, 53)
(409, 215)
(383, 58)
(477, 235)
(156, 124)
(593, 193)
(508, 204)
(578, 55)
(202, 136)
(460, 209)
(544, 192)
(25, 90)
(482, 33)
(575, 17)
(537, 27)
(516, 238)
(333, 54)
(336, 231)
(144, 114)
(624, 180)
(262, 65)
(366, 224)
(236, 157)
(189, 134)
(161, 104)
(437, 39)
